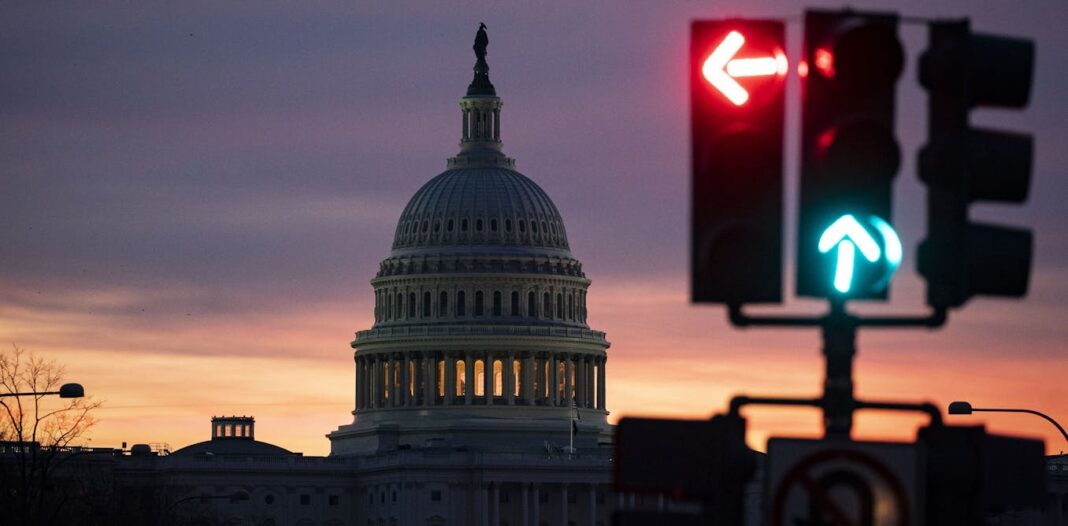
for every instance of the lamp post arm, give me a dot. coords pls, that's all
(1029, 411)
(29, 394)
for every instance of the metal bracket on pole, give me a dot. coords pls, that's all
(936, 318)
(931, 410)
(839, 329)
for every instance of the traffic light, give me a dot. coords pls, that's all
(962, 165)
(694, 461)
(737, 71)
(971, 474)
(846, 246)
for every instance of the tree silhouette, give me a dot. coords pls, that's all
(36, 435)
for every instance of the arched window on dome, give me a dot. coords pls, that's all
(531, 305)
(534, 227)
(448, 226)
(400, 306)
(498, 378)
(439, 379)
(411, 379)
(480, 378)
(547, 306)
(517, 375)
(493, 225)
(386, 380)
(461, 305)
(443, 304)
(552, 227)
(496, 303)
(571, 306)
(426, 304)
(543, 390)
(426, 225)
(522, 226)
(463, 225)
(515, 303)
(411, 305)
(461, 378)
(544, 228)
(507, 225)
(478, 303)
(559, 306)
(478, 225)
(561, 373)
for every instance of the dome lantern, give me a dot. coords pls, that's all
(480, 139)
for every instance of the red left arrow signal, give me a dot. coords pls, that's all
(721, 68)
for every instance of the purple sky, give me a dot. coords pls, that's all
(192, 164)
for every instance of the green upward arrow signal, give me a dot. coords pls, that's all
(848, 235)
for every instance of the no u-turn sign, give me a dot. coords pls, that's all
(842, 483)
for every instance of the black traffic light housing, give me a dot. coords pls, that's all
(849, 154)
(961, 165)
(737, 174)
(971, 474)
(699, 461)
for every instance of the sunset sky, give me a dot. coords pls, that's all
(193, 197)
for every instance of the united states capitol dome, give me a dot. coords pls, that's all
(480, 312)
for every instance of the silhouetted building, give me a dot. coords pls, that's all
(480, 391)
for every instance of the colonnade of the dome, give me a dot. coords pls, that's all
(441, 378)
(454, 302)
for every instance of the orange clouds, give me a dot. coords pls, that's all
(163, 378)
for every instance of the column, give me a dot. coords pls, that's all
(487, 377)
(524, 507)
(580, 381)
(554, 380)
(430, 362)
(536, 504)
(539, 377)
(375, 383)
(593, 504)
(359, 381)
(397, 380)
(388, 371)
(591, 393)
(527, 385)
(365, 391)
(469, 377)
(365, 375)
(508, 370)
(496, 134)
(405, 398)
(600, 383)
(569, 369)
(495, 504)
(563, 504)
(450, 377)
(484, 519)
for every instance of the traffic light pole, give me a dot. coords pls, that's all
(839, 329)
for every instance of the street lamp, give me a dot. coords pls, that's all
(65, 391)
(236, 496)
(965, 408)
